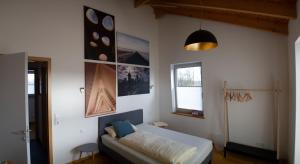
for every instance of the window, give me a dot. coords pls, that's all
(187, 89)
(31, 82)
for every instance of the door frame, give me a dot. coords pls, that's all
(49, 87)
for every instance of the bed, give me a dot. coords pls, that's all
(124, 154)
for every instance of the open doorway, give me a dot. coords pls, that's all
(39, 110)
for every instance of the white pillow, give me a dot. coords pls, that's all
(111, 131)
(133, 127)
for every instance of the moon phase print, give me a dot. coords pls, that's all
(99, 35)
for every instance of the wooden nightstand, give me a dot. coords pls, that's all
(160, 124)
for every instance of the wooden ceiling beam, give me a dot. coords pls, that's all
(284, 9)
(138, 3)
(254, 21)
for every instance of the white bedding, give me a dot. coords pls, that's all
(204, 146)
(160, 148)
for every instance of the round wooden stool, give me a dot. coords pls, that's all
(87, 148)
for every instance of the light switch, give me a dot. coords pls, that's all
(82, 90)
(56, 120)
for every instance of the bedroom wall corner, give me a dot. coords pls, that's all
(245, 57)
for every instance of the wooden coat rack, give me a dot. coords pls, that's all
(246, 149)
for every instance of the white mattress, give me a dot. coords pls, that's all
(204, 146)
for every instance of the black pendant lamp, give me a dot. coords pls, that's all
(200, 40)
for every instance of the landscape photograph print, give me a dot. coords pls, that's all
(99, 35)
(100, 89)
(133, 80)
(132, 50)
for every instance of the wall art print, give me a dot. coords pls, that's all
(99, 35)
(133, 80)
(100, 89)
(132, 50)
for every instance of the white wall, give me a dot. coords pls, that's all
(294, 128)
(55, 29)
(245, 58)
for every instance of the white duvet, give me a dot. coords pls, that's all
(162, 149)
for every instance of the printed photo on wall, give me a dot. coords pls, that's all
(132, 50)
(133, 80)
(99, 35)
(100, 89)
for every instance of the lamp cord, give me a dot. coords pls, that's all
(201, 13)
(200, 24)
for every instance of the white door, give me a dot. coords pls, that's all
(14, 122)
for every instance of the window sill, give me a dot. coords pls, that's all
(189, 115)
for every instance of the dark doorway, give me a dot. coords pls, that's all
(38, 111)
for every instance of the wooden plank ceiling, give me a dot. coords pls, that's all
(269, 15)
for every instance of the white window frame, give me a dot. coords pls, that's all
(175, 109)
(31, 72)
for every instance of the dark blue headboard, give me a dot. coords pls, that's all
(135, 117)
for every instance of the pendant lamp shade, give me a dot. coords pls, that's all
(200, 40)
